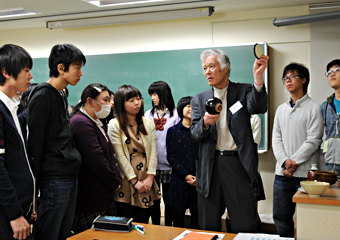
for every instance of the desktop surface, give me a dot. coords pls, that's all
(153, 232)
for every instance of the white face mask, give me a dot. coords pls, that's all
(104, 112)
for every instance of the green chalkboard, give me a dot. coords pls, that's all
(181, 69)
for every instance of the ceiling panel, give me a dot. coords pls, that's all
(54, 10)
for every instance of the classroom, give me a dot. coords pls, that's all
(245, 22)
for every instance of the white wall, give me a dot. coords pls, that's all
(325, 47)
(286, 44)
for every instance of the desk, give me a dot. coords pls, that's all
(318, 218)
(153, 232)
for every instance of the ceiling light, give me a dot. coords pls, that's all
(329, 5)
(109, 3)
(306, 19)
(15, 12)
(129, 18)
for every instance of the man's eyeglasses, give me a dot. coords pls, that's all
(291, 77)
(335, 70)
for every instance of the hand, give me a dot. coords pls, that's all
(288, 173)
(118, 188)
(34, 217)
(210, 119)
(148, 183)
(21, 228)
(140, 187)
(291, 165)
(259, 67)
(191, 180)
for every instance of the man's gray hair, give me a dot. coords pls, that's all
(222, 58)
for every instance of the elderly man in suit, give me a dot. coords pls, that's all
(228, 160)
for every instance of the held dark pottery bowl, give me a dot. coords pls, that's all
(326, 176)
(213, 105)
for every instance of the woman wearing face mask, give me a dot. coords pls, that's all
(134, 140)
(99, 176)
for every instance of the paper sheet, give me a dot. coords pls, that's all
(220, 236)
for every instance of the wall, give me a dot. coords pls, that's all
(286, 44)
(324, 48)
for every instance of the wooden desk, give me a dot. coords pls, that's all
(153, 232)
(318, 218)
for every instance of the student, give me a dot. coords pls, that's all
(134, 140)
(99, 176)
(164, 115)
(106, 120)
(53, 156)
(16, 177)
(258, 190)
(330, 111)
(23, 115)
(182, 153)
(297, 134)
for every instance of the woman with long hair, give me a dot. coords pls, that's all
(134, 140)
(164, 115)
(99, 176)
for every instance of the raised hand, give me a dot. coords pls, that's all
(259, 67)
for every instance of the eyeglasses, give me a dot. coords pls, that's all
(291, 77)
(335, 70)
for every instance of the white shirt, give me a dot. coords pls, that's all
(225, 140)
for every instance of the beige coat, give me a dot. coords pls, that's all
(118, 139)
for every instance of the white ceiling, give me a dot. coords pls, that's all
(54, 10)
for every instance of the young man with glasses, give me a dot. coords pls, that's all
(330, 111)
(297, 135)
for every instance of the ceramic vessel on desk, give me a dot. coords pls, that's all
(314, 188)
(326, 176)
(312, 173)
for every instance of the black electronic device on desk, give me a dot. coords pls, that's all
(112, 223)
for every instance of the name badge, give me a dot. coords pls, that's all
(237, 106)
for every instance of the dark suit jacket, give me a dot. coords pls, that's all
(253, 102)
(16, 179)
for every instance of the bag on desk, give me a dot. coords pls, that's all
(112, 223)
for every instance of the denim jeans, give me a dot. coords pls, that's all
(283, 205)
(56, 209)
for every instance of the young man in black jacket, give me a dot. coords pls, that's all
(54, 159)
(16, 178)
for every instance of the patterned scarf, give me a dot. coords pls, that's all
(159, 122)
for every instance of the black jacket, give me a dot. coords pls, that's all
(16, 180)
(51, 147)
(253, 102)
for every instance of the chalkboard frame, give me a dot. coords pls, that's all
(176, 67)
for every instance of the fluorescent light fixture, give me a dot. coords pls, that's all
(110, 3)
(306, 19)
(139, 17)
(318, 6)
(15, 12)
